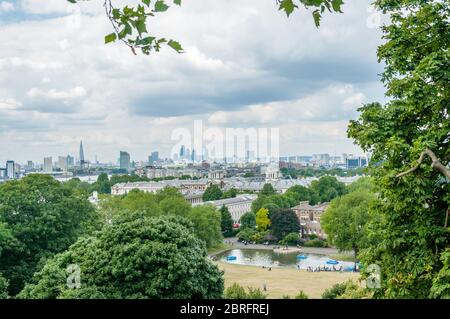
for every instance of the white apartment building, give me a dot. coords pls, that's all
(237, 206)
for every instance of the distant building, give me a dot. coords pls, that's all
(124, 160)
(153, 158)
(2, 173)
(63, 163)
(10, 170)
(355, 162)
(309, 218)
(216, 174)
(48, 164)
(70, 161)
(237, 206)
(82, 161)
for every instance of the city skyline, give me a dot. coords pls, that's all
(309, 86)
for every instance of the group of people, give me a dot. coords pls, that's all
(322, 268)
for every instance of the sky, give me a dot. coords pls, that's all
(246, 65)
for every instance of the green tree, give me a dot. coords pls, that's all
(267, 190)
(226, 223)
(40, 217)
(327, 188)
(207, 222)
(334, 291)
(248, 220)
(136, 257)
(175, 206)
(213, 192)
(283, 222)
(292, 238)
(235, 291)
(345, 219)
(103, 184)
(3, 288)
(231, 193)
(262, 219)
(405, 136)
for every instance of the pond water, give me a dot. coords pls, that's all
(268, 258)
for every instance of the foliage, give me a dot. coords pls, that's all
(226, 223)
(319, 243)
(262, 219)
(231, 193)
(3, 288)
(284, 221)
(103, 184)
(213, 192)
(136, 257)
(246, 234)
(38, 218)
(301, 295)
(248, 220)
(345, 219)
(291, 239)
(267, 190)
(327, 188)
(334, 291)
(207, 220)
(410, 235)
(441, 283)
(236, 291)
(354, 291)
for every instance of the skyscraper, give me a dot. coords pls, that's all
(182, 152)
(124, 160)
(10, 170)
(81, 155)
(153, 158)
(48, 164)
(63, 163)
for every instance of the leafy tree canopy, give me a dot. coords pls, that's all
(38, 218)
(283, 222)
(213, 192)
(137, 257)
(262, 219)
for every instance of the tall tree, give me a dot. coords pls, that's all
(248, 220)
(267, 190)
(207, 222)
(408, 139)
(226, 223)
(103, 184)
(40, 217)
(136, 257)
(262, 219)
(284, 222)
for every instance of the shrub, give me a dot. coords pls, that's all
(301, 295)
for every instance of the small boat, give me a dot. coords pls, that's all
(302, 257)
(231, 258)
(332, 262)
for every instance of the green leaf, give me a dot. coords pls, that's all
(161, 6)
(288, 6)
(141, 27)
(175, 45)
(317, 17)
(336, 4)
(177, 2)
(110, 38)
(146, 2)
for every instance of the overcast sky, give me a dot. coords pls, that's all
(246, 65)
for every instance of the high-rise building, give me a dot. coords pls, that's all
(63, 163)
(48, 164)
(193, 156)
(70, 162)
(152, 159)
(355, 162)
(10, 170)
(82, 162)
(30, 166)
(182, 152)
(124, 160)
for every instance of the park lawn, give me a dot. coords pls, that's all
(283, 281)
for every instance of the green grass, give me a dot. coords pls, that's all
(219, 248)
(344, 256)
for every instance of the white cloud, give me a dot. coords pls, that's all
(6, 6)
(245, 64)
(72, 93)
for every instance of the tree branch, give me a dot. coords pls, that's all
(435, 164)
